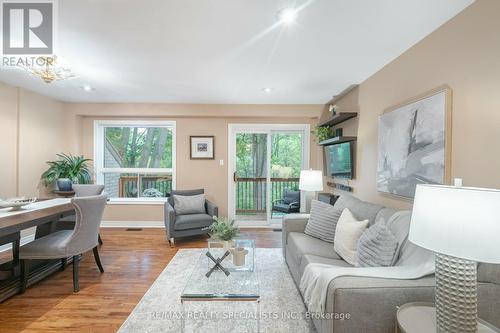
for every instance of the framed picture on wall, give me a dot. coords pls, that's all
(414, 144)
(202, 147)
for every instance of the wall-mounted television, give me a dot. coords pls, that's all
(339, 161)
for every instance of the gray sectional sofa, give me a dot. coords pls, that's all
(371, 302)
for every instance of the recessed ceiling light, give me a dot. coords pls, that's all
(87, 88)
(267, 90)
(287, 15)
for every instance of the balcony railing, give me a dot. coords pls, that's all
(128, 186)
(251, 192)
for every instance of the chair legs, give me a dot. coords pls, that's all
(99, 239)
(171, 241)
(76, 283)
(24, 274)
(98, 260)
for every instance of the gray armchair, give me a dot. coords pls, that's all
(190, 224)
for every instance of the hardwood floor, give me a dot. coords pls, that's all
(132, 260)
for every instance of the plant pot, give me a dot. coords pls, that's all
(64, 184)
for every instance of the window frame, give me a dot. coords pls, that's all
(100, 170)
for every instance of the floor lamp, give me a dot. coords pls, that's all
(311, 181)
(461, 225)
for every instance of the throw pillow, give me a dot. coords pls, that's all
(189, 204)
(323, 221)
(347, 235)
(377, 246)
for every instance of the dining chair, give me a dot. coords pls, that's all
(87, 190)
(68, 243)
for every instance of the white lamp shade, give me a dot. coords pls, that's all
(311, 180)
(461, 222)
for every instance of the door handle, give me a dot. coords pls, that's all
(234, 176)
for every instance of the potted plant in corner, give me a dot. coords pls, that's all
(223, 230)
(66, 171)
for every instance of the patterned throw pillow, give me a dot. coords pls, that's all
(377, 246)
(323, 221)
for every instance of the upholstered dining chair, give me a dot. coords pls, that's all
(87, 190)
(68, 243)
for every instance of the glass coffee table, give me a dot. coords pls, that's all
(238, 286)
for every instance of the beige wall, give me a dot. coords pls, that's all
(464, 54)
(31, 126)
(190, 120)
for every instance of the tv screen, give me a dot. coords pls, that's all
(338, 160)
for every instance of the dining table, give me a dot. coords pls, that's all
(43, 215)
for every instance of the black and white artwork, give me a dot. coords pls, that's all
(412, 146)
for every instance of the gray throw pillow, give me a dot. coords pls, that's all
(189, 204)
(377, 247)
(323, 221)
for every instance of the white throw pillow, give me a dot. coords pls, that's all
(347, 235)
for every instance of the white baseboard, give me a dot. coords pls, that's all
(133, 224)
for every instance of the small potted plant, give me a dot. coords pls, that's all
(223, 230)
(322, 133)
(67, 170)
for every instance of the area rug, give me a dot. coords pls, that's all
(281, 307)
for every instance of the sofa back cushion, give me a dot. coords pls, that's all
(347, 235)
(189, 204)
(183, 192)
(323, 221)
(377, 247)
(362, 210)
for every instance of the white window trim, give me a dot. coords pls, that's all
(100, 170)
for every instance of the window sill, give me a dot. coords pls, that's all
(138, 201)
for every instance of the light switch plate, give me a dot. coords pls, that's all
(221, 162)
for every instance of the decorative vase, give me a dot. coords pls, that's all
(239, 255)
(64, 184)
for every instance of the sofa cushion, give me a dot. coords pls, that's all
(377, 247)
(192, 221)
(349, 230)
(362, 210)
(312, 259)
(189, 204)
(300, 244)
(323, 221)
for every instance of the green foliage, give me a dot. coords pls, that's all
(223, 229)
(68, 166)
(141, 147)
(322, 133)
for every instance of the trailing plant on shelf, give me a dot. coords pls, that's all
(74, 168)
(322, 133)
(223, 229)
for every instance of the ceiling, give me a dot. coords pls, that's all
(227, 51)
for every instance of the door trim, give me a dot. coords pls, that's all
(266, 128)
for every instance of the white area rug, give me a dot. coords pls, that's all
(281, 307)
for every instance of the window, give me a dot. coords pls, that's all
(135, 159)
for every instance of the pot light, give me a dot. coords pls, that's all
(287, 15)
(87, 88)
(267, 90)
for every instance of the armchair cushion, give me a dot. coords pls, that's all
(189, 204)
(290, 196)
(183, 192)
(192, 221)
(281, 207)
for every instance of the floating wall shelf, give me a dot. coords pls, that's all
(337, 140)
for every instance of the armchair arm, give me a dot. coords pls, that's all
(292, 223)
(278, 200)
(169, 219)
(294, 204)
(212, 208)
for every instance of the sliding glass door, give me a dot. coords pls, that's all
(265, 163)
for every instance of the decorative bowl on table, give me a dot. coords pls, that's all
(16, 203)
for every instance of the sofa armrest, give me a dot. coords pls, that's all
(372, 302)
(212, 208)
(292, 223)
(169, 220)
